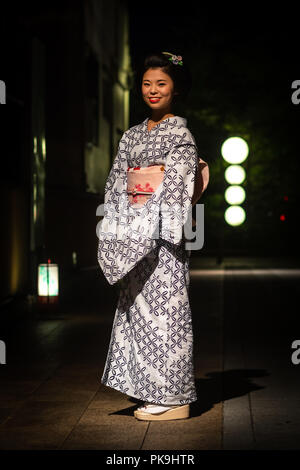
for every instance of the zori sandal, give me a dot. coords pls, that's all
(155, 412)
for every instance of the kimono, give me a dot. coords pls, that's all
(150, 354)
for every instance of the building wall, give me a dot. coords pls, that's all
(96, 113)
(86, 110)
(107, 41)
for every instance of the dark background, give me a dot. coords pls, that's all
(243, 61)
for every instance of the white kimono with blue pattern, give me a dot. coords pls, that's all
(150, 355)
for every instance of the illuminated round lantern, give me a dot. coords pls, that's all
(235, 215)
(235, 150)
(235, 194)
(235, 174)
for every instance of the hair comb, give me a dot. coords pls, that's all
(175, 59)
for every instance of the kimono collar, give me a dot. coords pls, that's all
(178, 121)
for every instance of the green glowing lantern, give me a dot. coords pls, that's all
(48, 282)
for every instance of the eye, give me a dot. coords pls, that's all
(160, 84)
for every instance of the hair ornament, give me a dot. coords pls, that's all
(175, 59)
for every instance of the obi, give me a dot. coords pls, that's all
(142, 182)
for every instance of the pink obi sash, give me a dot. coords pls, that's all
(142, 182)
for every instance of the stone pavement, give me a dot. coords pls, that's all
(245, 318)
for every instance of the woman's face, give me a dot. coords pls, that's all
(157, 85)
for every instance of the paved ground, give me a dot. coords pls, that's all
(245, 318)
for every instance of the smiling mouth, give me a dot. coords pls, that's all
(154, 99)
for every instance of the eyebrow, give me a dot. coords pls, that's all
(159, 80)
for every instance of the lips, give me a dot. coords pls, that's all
(154, 100)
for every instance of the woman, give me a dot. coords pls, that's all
(148, 195)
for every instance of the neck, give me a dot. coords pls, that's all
(160, 115)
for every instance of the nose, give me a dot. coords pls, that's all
(153, 91)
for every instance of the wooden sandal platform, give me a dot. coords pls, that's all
(180, 412)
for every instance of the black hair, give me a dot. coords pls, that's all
(180, 74)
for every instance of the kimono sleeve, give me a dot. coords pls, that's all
(178, 189)
(201, 180)
(116, 180)
(124, 234)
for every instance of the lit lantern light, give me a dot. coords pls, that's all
(74, 259)
(235, 194)
(235, 215)
(48, 281)
(235, 150)
(235, 174)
